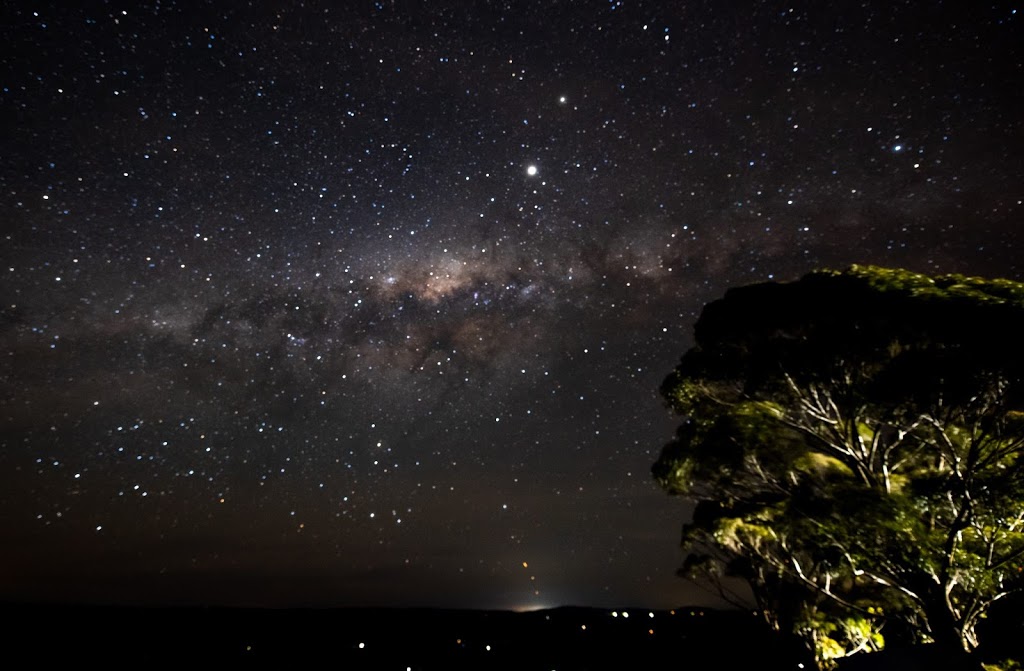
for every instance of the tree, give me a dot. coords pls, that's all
(854, 443)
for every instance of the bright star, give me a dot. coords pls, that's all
(531, 170)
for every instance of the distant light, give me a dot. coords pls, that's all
(625, 614)
(362, 645)
(531, 170)
(562, 100)
(897, 147)
(487, 648)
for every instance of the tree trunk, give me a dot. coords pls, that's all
(954, 643)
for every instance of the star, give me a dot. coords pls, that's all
(289, 283)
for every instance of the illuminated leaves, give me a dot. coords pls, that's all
(856, 439)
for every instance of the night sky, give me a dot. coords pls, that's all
(368, 303)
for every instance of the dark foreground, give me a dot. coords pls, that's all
(413, 639)
(563, 638)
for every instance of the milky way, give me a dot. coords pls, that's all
(370, 304)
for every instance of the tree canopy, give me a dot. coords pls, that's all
(854, 442)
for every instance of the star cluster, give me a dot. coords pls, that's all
(369, 304)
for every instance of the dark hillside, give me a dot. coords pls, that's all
(564, 638)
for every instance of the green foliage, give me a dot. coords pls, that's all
(976, 290)
(1005, 665)
(855, 443)
(834, 638)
